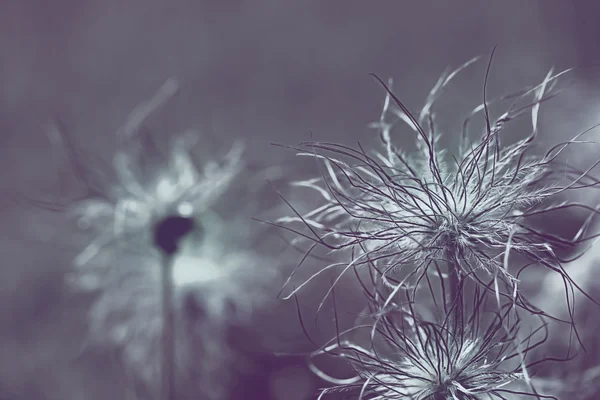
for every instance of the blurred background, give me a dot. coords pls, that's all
(263, 71)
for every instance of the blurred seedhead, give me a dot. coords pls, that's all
(401, 214)
(172, 216)
(168, 203)
(168, 248)
(580, 377)
(409, 349)
(573, 383)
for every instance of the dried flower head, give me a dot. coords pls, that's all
(164, 246)
(130, 211)
(165, 203)
(416, 352)
(402, 213)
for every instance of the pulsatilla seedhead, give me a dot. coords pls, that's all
(169, 231)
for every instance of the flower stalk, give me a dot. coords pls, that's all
(168, 234)
(412, 218)
(455, 290)
(168, 384)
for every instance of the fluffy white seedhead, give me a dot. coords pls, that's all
(212, 260)
(403, 213)
(407, 356)
(219, 276)
(138, 200)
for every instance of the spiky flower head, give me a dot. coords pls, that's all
(402, 213)
(165, 204)
(421, 353)
(164, 209)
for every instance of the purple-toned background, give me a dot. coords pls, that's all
(265, 71)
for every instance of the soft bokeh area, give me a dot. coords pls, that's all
(262, 71)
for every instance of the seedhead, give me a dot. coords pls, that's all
(403, 214)
(407, 350)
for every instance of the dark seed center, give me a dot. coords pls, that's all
(169, 231)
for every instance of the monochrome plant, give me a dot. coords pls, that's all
(413, 355)
(439, 243)
(170, 271)
(466, 218)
